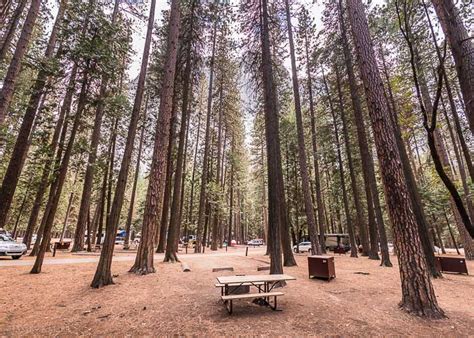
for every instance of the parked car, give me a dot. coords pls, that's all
(302, 247)
(255, 242)
(9, 247)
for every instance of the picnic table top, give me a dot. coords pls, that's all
(254, 278)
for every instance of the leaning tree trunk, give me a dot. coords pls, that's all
(11, 76)
(418, 296)
(15, 166)
(103, 274)
(289, 260)
(462, 48)
(61, 177)
(144, 260)
(59, 129)
(452, 104)
(423, 226)
(275, 176)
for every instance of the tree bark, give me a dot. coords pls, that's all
(103, 274)
(175, 217)
(276, 194)
(144, 260)
(368, 168)
(418, 296)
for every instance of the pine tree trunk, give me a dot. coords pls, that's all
(103, 274)
(162, 228)
(6, 94)
(275, 177)
(368, 169)
(144, 260)
(418, 296)
(462, 48)
(175, 216)
(15, 166)
(289, 260)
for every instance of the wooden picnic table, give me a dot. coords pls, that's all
(268, 282)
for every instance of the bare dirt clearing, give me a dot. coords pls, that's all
(59, 301)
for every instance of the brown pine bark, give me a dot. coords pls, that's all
(6, 94)
(462, 48)
(103, 274)
(276, 195)
(144, 260)
(423, 225)
(175, 217)
(418, 295)
(15, 166)
(303, 162)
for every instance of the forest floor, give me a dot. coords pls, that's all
(59, 301)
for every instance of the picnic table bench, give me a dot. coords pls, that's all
(264, 283)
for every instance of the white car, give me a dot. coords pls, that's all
(255, 242)
(8, 247)
(302, 247)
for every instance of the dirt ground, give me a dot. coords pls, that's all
(59, 301)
